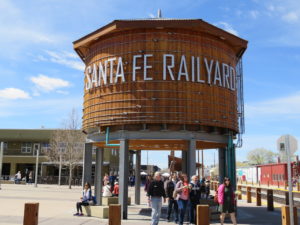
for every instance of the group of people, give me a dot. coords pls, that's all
(183, 194)
(28, 177)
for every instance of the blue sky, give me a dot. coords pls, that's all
(41, 78)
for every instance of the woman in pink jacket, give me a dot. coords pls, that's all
(226, 199)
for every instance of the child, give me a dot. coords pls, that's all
(116, 189)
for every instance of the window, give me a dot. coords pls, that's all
(26, 147)
(94, 149)
(5, 144)
(45, 147)
(62, 147)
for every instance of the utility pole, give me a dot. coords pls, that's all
(288, 153)
(36, 167)
(59, 170)
(1, 158)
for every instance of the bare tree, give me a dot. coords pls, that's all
(67, 144)
(261, 156)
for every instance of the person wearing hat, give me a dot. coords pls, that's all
(116, 189)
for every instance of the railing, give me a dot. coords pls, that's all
(270, 194)
(63, 181)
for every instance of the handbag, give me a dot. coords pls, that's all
(175, 194)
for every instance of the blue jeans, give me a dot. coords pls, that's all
(193, 205)
(182, 205)
(156, 203)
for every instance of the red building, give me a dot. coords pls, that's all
(274, 174)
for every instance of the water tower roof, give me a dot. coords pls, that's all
(81, 45)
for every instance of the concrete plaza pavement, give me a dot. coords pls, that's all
(57, 205)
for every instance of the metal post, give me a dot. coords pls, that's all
(137, 177)
(202, 164)
(123, 177)
(1, 159)
(222, 161)
(184, 161)
(59, 170)
(199, 168)
(87, 163)
(191, 158)
(98, 176)
(36, 167)
(287, 141)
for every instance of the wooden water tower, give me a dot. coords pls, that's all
(162, 84)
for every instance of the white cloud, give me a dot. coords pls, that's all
(254, 14)
(13, 93)
(68, 59)
(226, 26)
(289, 105)
(47, 84)
(151, 15)
(290, 17)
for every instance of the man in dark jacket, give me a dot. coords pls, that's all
(155, 192)
(172, 203)
(195, 195)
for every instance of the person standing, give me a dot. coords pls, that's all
(30, 177)
(148, 182)
(105, 179)
(195, 195)
(172, 203)
(182, 189)
(226, 199)
(155, 192)
(26, 176)
(116, 189)
(18, 177)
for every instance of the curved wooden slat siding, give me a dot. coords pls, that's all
(158, 101)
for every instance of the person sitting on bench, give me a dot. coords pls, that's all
(84, 200)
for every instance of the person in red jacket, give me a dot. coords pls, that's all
(226, 199)
(116, 189)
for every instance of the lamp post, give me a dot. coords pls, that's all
(59, 171)
(1, 157)
(36, 167)
(288, 153)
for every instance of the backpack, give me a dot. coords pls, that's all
(94, 200)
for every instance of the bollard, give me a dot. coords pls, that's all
(270, 201)
(114, 215)
(240, 190)
(285, 215)
(203, 215)
(287, 201)
(31, 214)
(249, 200)
(258, 196)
